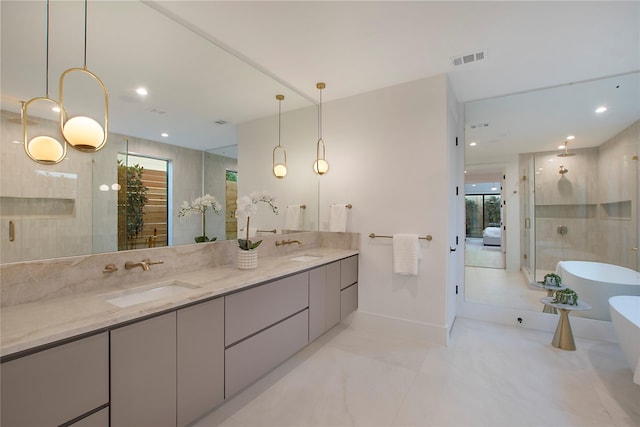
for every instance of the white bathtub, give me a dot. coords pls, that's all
(596, 282)
(625, 314)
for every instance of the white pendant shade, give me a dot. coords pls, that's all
(83, 133)
(45, 149)
(320, 167)
(280, 170)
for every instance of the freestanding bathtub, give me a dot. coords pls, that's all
(596, 282)
(625, 315)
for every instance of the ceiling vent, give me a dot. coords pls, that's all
(469, 58)
(479, 125)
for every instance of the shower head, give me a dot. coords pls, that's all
(566, 153)
(564, 170)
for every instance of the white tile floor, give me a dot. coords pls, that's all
(490, 375)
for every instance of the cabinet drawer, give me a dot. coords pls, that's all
(56, 385)
(143, 373)
(348, 271)
(250, 311)
(247, 361)
(348, 301)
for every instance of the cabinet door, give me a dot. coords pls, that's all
(200, 359)
(348, 301)
(348, 271)
(54, 386)
(333, 295)
(250, 359)
(250, 311)
(143, 373)
(317, 302)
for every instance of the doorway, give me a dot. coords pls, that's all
(484, 225)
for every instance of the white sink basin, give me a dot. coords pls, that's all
(304, 258)
(148, 293)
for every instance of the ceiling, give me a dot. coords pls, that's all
(193, 56)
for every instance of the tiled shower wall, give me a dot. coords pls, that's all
(596, 200)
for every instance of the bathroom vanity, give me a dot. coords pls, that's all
(172, 359)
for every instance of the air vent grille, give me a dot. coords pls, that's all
(469, 58)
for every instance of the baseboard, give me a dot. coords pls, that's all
(378, 323)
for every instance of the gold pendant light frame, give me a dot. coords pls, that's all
(64, 119)
(320, 166)
(279, 169)
(87, 125)
(32, 151)
(42, 149)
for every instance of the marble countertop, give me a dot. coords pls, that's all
(27, 326)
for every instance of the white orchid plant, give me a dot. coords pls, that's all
(200, 206)
(247, 206)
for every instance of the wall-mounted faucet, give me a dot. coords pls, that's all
(145, 264)
(287, 242)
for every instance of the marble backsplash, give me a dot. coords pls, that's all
(25, 282)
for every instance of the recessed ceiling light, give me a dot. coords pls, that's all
(494, 188)
(601, 109)
(164, 135)
(560, 147)
(141, 91)
(570, 137)
(473, 185)
(473, 144)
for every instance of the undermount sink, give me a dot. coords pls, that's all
(304, 258)
(148, 293)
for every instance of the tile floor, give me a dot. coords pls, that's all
(490, 375)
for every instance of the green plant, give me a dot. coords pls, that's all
(136, 197)
(552, 280)
(565, 296)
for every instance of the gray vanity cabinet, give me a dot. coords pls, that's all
(264, 326)
(57, 385)
(324, 299)
(143, 373)
(200, 359)
(348, 286)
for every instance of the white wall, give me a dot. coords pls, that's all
(388, 157)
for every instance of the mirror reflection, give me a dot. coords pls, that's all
(568, 181)
(179, 140)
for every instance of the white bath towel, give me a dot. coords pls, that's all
(294, 218)
(338, 218)
(406, 254)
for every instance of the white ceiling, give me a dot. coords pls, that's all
(193, 56)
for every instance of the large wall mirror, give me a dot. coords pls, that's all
(562, 164)
(183, 134)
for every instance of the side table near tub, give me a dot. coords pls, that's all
(563, 337)
(550, 290)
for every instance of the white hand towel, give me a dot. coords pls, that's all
(406, 253)
(338, 218)
(294, 218)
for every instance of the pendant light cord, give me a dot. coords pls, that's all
(320, 117)
(47, 55)
(85, 34)
(279, 118)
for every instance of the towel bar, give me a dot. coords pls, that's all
(374, 235)
(267, 231)
(348, 205)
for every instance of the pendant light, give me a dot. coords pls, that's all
(82, 132)
(279, 169)
(42, 149)
(320, 166)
